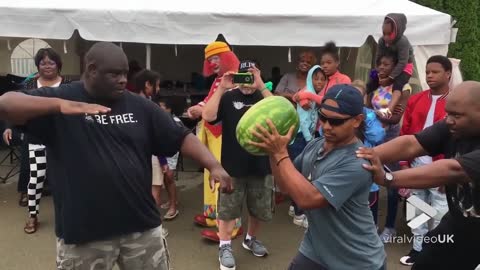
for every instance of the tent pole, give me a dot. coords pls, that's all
(148, 56)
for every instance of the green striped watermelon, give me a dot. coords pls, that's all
(276, 108)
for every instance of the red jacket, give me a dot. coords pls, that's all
(416, 114)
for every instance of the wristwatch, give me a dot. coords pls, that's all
(388, 178)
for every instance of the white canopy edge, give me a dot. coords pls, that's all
(249, 22)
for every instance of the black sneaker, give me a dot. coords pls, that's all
(410, 258)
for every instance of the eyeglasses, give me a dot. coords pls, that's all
(335, 122)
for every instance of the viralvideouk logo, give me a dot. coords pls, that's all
(428, 212)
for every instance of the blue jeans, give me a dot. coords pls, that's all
(392, 207)
(294, 150)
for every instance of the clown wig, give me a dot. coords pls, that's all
(228, 59)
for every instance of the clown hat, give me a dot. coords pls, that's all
(221, 38)
(220, 45)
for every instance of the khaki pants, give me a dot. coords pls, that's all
(137, 251)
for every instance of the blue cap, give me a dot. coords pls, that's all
(348, 98)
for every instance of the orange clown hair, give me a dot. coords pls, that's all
(228, 59)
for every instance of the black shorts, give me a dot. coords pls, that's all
(463, 253)
(300, 262)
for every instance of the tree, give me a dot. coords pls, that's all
(467, 46)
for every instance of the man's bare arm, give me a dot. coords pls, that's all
(401, 148)
(18, 108)
(290, 180)
(193, 148)
(438, 173)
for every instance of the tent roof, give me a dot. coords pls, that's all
(246, 22)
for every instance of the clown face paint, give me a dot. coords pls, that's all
(214, 62)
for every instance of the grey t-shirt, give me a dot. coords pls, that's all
(288, 84)
(343, 234)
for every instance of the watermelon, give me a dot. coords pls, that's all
(276, 108)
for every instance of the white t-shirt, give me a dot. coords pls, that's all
(424, 160)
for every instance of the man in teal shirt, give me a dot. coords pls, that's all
(327, 180)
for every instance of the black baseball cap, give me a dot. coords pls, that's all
(245, 65)
(348, 98)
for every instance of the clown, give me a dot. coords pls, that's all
(218, 59)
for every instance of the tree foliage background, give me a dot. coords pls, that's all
(467, 46)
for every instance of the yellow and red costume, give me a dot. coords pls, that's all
(211, 135)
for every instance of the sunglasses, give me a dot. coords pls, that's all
(335, 122)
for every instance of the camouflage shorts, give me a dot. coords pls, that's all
(146, 251)
(258, 192)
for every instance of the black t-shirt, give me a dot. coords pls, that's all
(463, 199)
(236, 161)
(100, 165)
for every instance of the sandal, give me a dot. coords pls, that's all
(169, 215)
(23, 201)
(31, 226)
(166, 205)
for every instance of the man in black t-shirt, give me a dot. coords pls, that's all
(251, 173)
(100, 160)
(453, 244)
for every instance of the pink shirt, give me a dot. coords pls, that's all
(336, 78)
(409, 69)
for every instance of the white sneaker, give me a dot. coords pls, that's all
(387, 235)
(299, 220)
(291, 211)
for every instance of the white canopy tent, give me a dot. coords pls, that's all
(249, 22)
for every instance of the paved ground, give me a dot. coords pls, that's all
(20, 251)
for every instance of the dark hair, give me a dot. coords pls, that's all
(44, 52)
(145, 76)
(133, 68)
(175, 104)
(361, 130)
(391, 55)
(167, 101)
(442, 60)
(330, 48)
(319, 70)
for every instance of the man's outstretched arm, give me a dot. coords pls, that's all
(401, 148)
(194, 149)
(17, 108)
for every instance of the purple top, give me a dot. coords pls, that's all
(163, 161)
